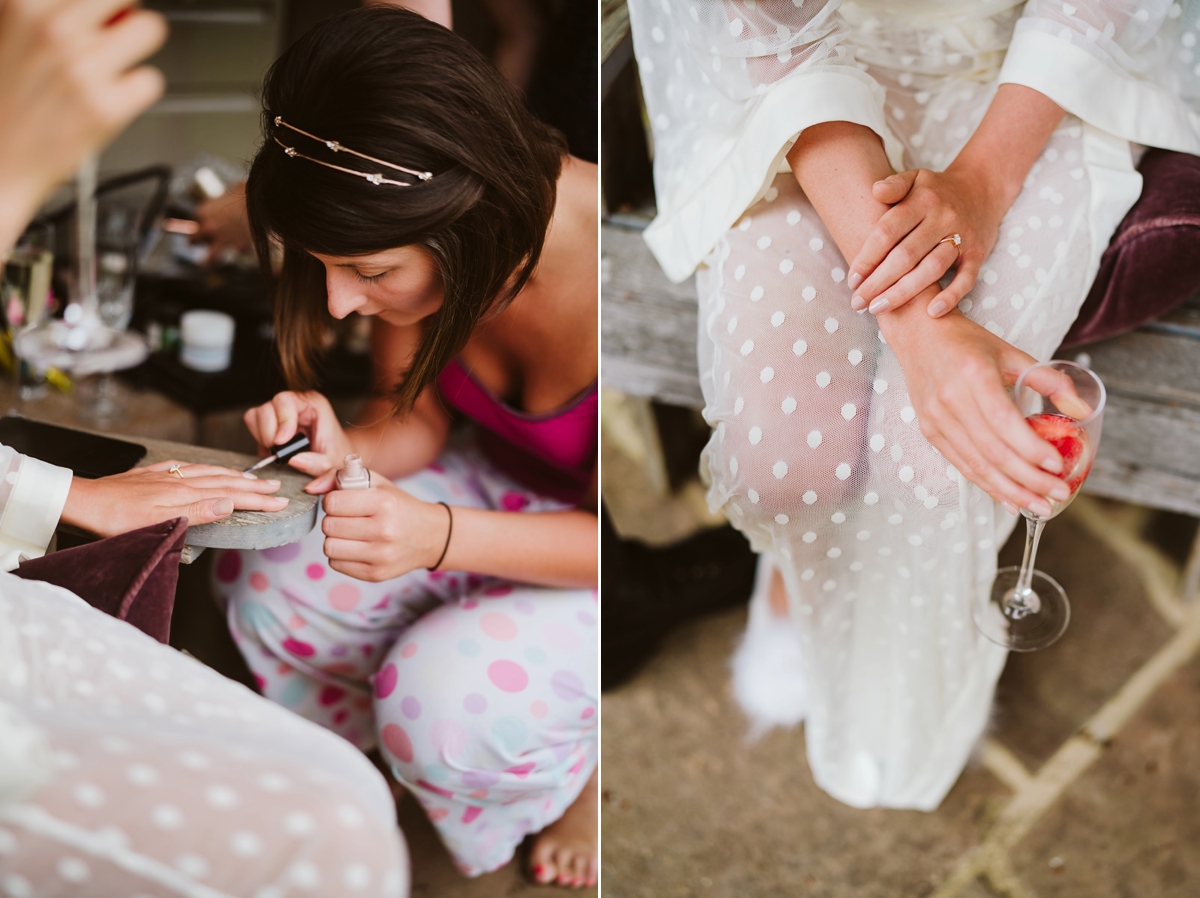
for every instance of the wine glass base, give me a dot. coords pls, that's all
(1024, 627)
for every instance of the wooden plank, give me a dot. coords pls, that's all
(647, 324)
(1129, 482)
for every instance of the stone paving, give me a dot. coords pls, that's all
(1087, 785)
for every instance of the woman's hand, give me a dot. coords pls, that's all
(69, 82)
(224, 224)
(383, 532)
(957, 374)
(278, 421)
(903, 254)
(150, 495)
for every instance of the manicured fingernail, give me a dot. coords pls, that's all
(249, 476)
(879, 305)
(273, 482)
(1040, 508)
(854, 280)
(937, 308)
(857, 303)
(1062, 492)
(538, 872)
(222, 506)
(1053, 464)
(1010, 508)
(282, 500)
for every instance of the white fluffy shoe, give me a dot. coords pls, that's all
(768, 672)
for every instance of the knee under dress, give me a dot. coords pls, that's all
(481, 693)
(816, 453)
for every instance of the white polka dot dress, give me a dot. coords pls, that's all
(164, 778)
(817, 453)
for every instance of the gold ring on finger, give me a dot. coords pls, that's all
(174, 469)
(956, 240)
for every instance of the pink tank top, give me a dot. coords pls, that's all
(553, 453)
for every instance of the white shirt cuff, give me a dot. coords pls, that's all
(34, 507)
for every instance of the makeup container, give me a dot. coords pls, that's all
(207, 339)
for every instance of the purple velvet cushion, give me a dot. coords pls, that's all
(1152, 263)
(131, 576)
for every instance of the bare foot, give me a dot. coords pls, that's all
(779, 600)
(565, 851)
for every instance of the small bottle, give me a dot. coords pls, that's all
(353, 476)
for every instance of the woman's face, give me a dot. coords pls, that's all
(402, 286)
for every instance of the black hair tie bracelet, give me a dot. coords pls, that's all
(437, 564)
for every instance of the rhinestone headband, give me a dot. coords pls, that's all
(375, 178)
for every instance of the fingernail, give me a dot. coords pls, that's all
(854, 280)
(273, 482)
(538, 870)
(857, 302)
(1010, 508)
(249, 476)
(1053, 465)
(879, 305)
(282, 500)
(222, 506)
(1061, 492)
(937, 308)
(1040, 508)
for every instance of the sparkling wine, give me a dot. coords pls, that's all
(1071, 440)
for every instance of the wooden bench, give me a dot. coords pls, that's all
(1150, 452)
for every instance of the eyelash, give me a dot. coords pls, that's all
(369, 279)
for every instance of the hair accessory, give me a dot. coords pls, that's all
(437, 564)
(375, 178)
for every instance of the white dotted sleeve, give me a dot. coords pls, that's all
(32, 496)
(1127, 68)
(728, 89)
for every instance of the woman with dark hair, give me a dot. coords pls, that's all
(404, 180)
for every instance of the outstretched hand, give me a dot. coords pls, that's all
(144, 496)
(903, 254)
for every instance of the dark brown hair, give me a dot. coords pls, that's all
(388, 83)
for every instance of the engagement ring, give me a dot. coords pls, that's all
(956, 240)
(174, 469)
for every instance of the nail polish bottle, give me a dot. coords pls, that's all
(353, 476)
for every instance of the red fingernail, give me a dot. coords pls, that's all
(118, 16)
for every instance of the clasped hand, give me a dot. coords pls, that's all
(958, 375)
(904, 254)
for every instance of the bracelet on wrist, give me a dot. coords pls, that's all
(450, 530)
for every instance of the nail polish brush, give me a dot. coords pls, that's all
(283, 451)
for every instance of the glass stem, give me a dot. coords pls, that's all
(1033, 534)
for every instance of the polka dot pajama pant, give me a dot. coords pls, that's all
(482, 694)
(170, 780)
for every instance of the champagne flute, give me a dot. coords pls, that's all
(1063, 402)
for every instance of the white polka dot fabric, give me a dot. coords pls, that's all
(817, 453)
(728, 86)
(822, 464)
(170, 780)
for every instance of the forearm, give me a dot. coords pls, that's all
(1009, 139)
(547, 549)
(835, 164)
